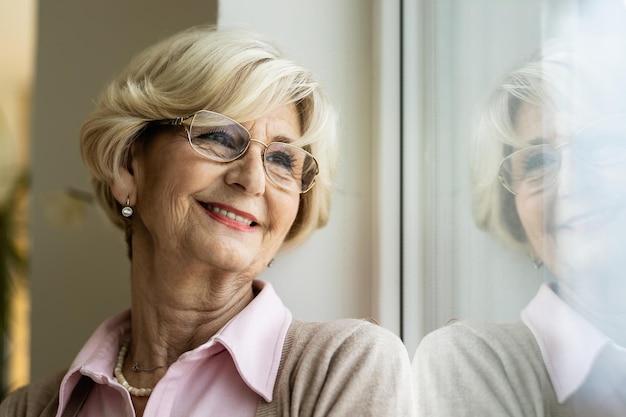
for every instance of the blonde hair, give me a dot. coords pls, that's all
(237, 73)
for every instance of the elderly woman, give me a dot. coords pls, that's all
(549, 177)
(213, 152)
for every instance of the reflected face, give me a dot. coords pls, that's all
(576, 223)
(227, 216)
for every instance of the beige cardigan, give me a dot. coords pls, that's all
(472, 368)
(340, 368)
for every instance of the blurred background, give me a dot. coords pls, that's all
(17, 43)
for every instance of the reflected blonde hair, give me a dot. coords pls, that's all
(237, 73)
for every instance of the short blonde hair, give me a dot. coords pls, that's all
(238, 73)
(560, 77)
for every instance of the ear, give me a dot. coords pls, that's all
(124, 187)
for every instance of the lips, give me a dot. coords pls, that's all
(591, 220)
(229, 213)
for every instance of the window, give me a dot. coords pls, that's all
(453, 53)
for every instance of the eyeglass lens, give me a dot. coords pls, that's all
(531, 169)
(222, 139)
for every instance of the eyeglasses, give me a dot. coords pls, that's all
(221, 139)
(535, 168)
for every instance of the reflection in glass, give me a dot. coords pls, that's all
(548, 177)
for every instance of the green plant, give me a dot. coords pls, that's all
(13, 259)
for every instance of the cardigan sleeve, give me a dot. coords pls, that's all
(39, 399)
(344, 368)
(482, 369)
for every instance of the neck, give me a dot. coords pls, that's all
(607, 316)
(173, 312)
(177, 308)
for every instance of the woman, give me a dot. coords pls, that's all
(213, 152)
(548, 176)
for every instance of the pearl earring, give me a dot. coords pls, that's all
(127, 210)
(537, 262)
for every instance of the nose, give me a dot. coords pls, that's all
(248, 172)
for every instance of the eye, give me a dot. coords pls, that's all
(539, 160)
(281, 159)
(213, 137)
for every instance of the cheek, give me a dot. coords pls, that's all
(284, 211)
(165, 189)
(614, 181)
(531, 213)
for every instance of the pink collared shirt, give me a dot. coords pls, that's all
(226, 376)
(568, 342)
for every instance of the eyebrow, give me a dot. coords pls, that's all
(539, 141)
(283, 139)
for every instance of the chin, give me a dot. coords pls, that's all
(231, 263)
(597, 264)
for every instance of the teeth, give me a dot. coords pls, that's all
(230, 215)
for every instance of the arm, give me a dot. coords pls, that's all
(39, 399)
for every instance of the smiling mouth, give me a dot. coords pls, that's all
(228, 214)
(591, 220)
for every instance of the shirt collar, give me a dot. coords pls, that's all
(255, 339)
(97, 357)
(569, 344)
(100, 351)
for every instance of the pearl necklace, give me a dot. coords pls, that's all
(138, 392)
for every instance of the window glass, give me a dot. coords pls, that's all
(454, 53)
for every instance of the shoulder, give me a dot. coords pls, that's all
(355, 334)
(40, 398)
(344, 367)
(479, 330)
(483, 369)
(476, 337)
(345, 341)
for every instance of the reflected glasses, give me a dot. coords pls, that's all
(221, 139)
(535, 168)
